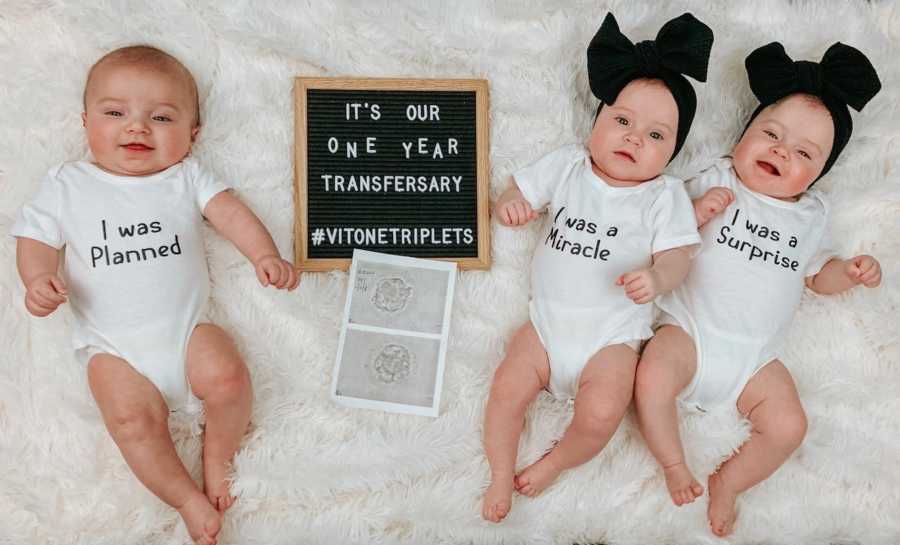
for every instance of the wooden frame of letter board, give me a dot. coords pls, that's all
(482, 133)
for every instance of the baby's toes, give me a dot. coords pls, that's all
(226, 502)
(725, 527)
(498, 511)
(487, 512)
(696, 489)
(523, 486)
(687, 496)
(519, 483)
(729, 527)
(677, 497)
(719, 527)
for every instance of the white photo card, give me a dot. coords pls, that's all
(394, 333)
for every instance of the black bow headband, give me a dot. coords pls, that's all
(843, 77)
(682, 46)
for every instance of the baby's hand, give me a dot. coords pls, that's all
(271, 269)
(863, 269)
(45, 294)
(514, 210)
(715, 201)
(641, 286)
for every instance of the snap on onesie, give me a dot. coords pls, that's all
(594, 233)
(745, 284)
(135, 262)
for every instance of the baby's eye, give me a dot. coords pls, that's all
(770, 134)
(622, 121)
(163, 118)
(804, 154)
(113, 113)
(656, 135)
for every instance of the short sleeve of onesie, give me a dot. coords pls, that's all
(39, 218)
(715, 176)
(539, 180)
(672, 218)
(206, 184)
(826, 251)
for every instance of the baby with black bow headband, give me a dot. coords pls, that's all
(618, 233)
(723, 330)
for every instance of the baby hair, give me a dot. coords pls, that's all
(152, 58)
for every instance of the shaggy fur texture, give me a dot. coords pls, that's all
(312, 472)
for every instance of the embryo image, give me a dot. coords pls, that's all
(396, 297)
(391, 294)
(392, 364)
(388, 367)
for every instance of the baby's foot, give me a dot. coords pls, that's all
(721, 512)
(202, 520)
(536, 477)
(497, 499)
(215, 483)
(683, 487)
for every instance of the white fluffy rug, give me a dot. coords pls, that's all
(312, 472)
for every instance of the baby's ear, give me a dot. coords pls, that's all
(84, 119)
(194, 132)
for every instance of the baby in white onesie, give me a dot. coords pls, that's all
(724, 328)
(618, 233)
(135, 275)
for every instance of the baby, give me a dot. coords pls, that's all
(724, 328)
(136, 276)
(617, 235)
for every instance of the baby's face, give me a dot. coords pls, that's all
(139, 121)
(785, 148)
(633, 138)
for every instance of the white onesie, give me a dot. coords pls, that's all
(135, 262)
(593, 234)
(745, 285)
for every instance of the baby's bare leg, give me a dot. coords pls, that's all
(517, 381)
(604, 393)
(667, 366)
(218, 376)
(771, 402)
(137, 418)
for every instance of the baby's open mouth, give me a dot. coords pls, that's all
(626, 155)
(769, 167)
(137, 147)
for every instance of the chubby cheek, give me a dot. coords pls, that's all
(598, 149)
(743, 157)
(741, 149)
(655, 161)
(175, 146)
(101, 137)
(597, 137)
(803, 178)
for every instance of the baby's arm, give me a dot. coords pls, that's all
(715, 201)
(38, 264)
(513, 208)
(839, 275)
(669, 269)
(236, 222)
